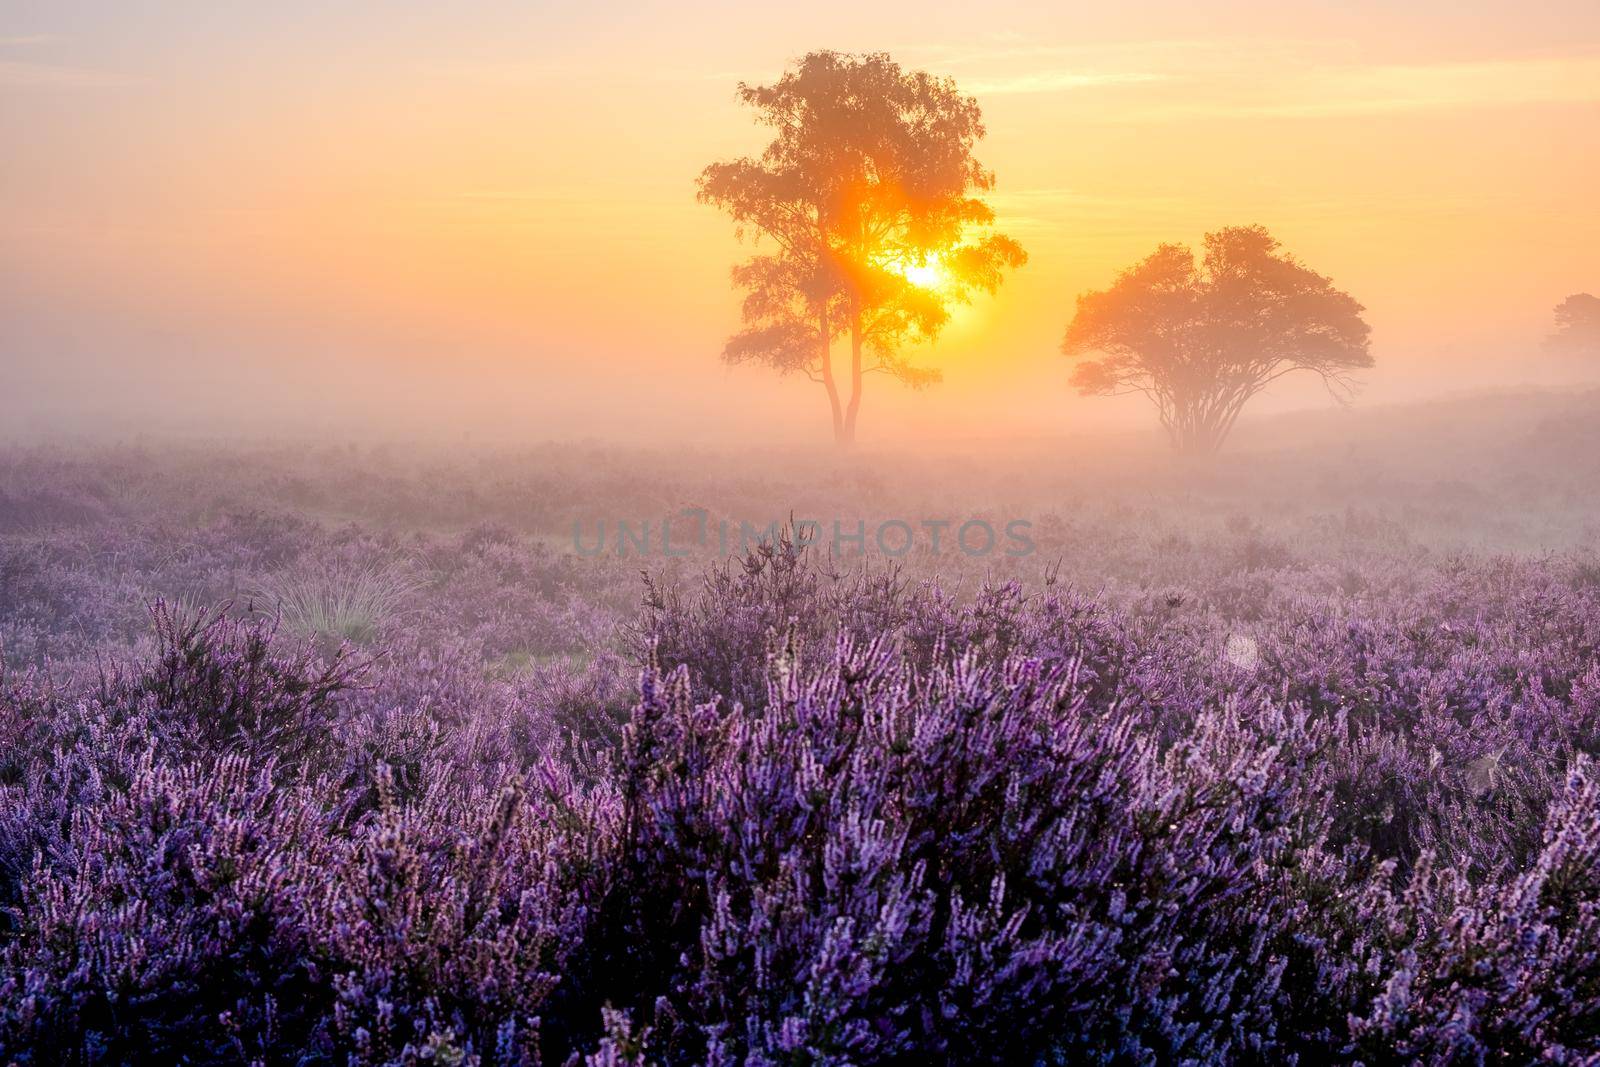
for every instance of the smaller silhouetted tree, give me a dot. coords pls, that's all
(1201, 339)
(1577, 325)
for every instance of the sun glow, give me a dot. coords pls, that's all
(928, 273)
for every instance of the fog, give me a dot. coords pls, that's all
(380, 224)
(664, 534)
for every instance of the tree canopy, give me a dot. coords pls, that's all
(867, 194)
(1199, 339)
(1578, 325)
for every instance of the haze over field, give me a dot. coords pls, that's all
(691, 534)
(416, 220)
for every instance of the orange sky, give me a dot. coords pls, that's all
(486, 215)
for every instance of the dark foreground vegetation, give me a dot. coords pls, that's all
(296, 769)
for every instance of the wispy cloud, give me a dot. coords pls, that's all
(1161, 81)
(1335, 91)
(28, 39)
(513, 73)
(52, 76)
(1258, 78)
(536, 73)
(1005, 64)
(1495, 83)
(1055, 81)
(1014, 52)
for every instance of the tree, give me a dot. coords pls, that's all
(1201, 339)
(1577, 325)
(867, 195)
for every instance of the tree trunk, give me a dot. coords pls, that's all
(1198, 428)
(849, 437)
(828, 382)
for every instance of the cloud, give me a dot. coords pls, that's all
(1288, 78)
(1011, 51)
(510, 73)
(32, 38)
(1255, 88)
(1389, 88)
(50, 76)
(568, 74)
(1055, 81)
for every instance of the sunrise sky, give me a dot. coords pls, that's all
(434, 217)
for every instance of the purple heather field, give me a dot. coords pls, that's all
(723, 534)
(368, 754)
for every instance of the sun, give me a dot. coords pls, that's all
(927, 273)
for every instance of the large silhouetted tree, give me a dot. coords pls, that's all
(867, 196)
(1577, 325)
(1201, 339)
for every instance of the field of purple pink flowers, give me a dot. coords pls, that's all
(344, 755)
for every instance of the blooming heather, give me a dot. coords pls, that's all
(788, 812)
